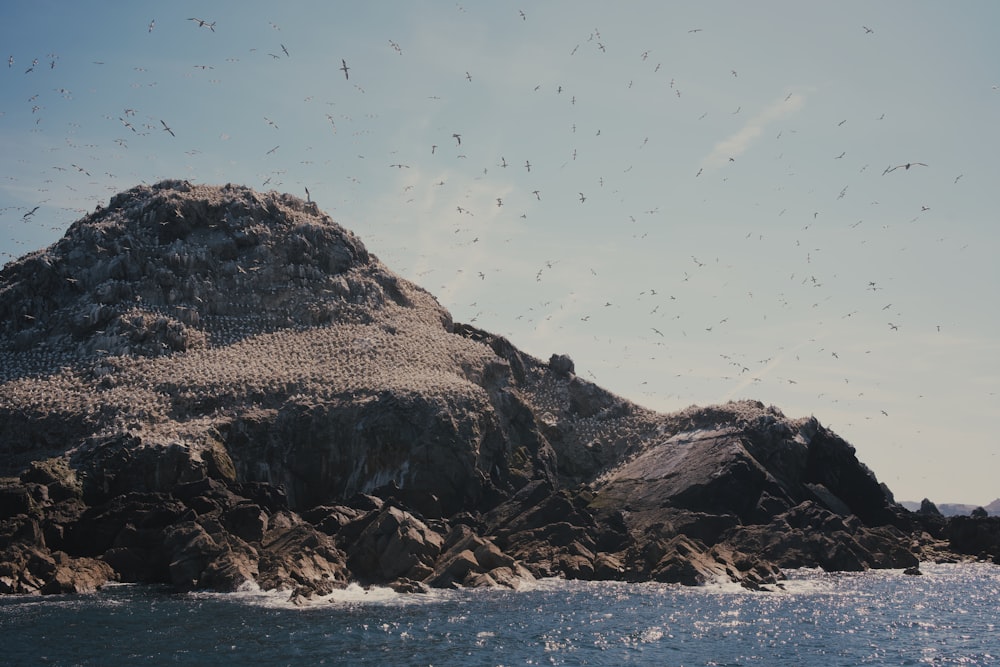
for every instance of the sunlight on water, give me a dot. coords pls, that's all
(945, 617)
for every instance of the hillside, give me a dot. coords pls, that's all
(208, 386)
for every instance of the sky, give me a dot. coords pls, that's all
(698, 202)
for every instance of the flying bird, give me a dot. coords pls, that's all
(344, 68)
(202, 23)
(151, 24)
(29, 213)
(903, 166)
(167, 128)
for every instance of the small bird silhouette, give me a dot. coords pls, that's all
(903, 166)
(344, 68)
(202, 23)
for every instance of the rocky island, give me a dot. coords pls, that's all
(214, 388)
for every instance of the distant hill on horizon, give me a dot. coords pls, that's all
(956, 509)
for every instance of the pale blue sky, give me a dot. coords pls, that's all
(738, 238)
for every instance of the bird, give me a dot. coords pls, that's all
(167, 128)
(151, 24)
(285, 50)
(202, 23)
(903, 166)
(344, 68)
(868, 31)
(582, 198)
(29, 213)
(308, 197)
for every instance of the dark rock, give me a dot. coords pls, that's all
(469, 560)
(247, 522)
(294, 555)
(975, 536)
(14, 500)
(561, 364)
(394, 545)
(928, 508)
(77, 575)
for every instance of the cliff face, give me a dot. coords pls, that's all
(210, 386)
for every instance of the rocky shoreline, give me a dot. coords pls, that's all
(209, 387)
(220, 535)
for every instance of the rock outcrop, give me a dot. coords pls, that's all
(211, 387)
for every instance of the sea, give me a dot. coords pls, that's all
(948, 616)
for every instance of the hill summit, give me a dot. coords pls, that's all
(211, 386)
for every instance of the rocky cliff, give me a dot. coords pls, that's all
(213, 387)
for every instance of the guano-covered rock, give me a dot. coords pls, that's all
(212, 387)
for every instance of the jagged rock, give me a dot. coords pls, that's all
(295, 555)
(928, 508)
(561, 364)
(395, 544)
(975, 535)
(208, 386)
(77, 575)
(472, 561)
(809, 535)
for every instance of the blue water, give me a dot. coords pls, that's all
(948, 616)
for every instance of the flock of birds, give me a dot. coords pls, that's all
(491, 189)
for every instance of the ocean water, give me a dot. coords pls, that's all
(949, 616)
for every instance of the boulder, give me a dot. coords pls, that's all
(296, 556)
(395, 544)
(76, 575)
